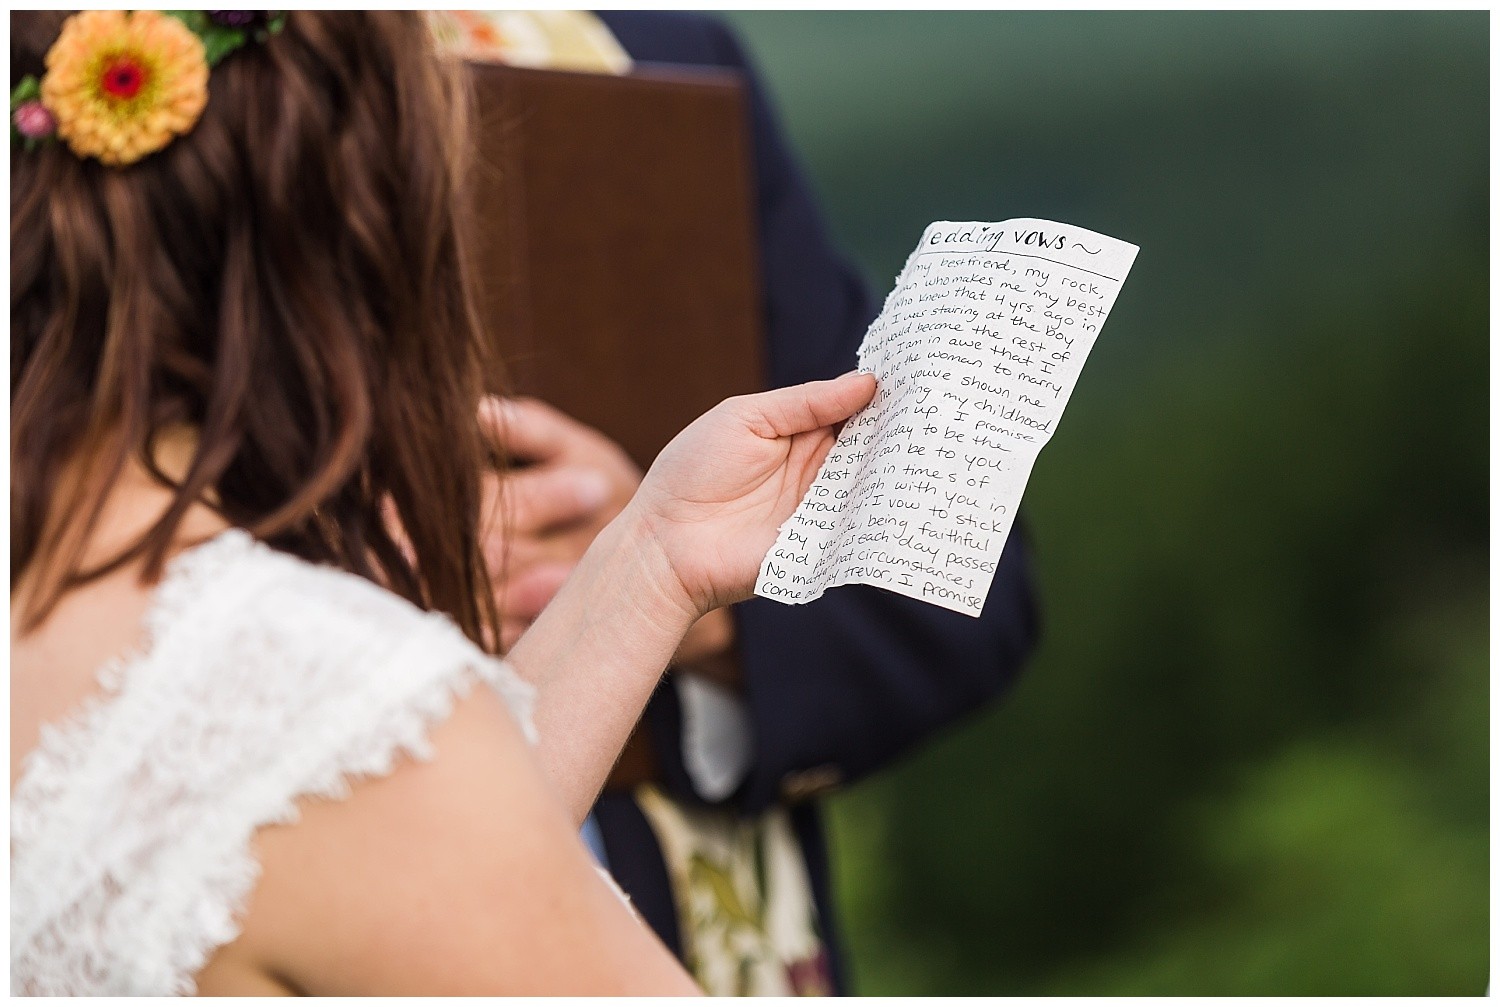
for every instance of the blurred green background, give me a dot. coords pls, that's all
(1251, 755)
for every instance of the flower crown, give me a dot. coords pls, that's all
(123, 84)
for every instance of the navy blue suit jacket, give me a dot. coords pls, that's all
(839, 687)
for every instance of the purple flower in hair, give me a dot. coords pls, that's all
(234, 18)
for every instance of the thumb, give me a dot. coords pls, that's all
(523, 429)
(784, 412)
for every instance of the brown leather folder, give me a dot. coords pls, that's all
(619, 259)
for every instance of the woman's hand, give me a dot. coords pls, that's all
(691, 540)
(719, 492)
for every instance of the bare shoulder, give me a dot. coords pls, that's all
(456, 875)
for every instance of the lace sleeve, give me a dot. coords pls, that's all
(266, 681)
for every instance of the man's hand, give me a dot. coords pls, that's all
(565, 482)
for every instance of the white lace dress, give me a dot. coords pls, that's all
(263, 679)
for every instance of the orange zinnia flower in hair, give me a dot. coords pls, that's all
(122, 85)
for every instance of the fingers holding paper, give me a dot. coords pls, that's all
(718, 493)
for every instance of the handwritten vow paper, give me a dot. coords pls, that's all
(976, 352)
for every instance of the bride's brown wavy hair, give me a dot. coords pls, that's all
(292, 280)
